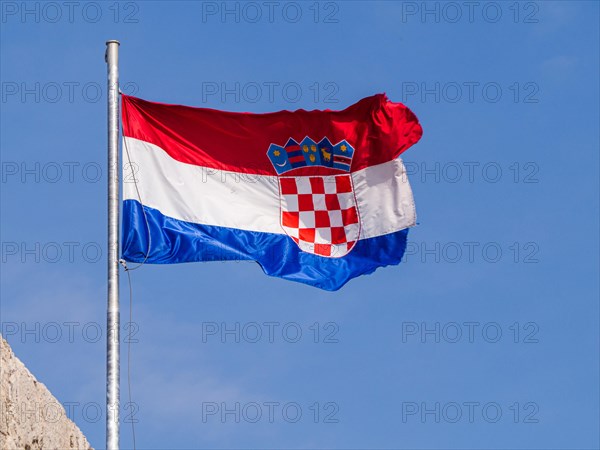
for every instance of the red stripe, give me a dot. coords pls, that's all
(296, 158)
(343, 159)
(378, 129)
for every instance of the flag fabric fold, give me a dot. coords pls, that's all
(318, 197)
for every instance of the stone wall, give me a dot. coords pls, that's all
(30, 417)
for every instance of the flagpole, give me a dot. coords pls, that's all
(112, 325)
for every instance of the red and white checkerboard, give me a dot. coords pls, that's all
(319, 213)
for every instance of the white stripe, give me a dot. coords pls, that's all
(251, 202)
(385, 200)
(200, 194)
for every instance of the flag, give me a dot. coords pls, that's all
(318, 197)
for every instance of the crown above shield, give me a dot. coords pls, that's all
(306, 153)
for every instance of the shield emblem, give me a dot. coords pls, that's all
(319, 213)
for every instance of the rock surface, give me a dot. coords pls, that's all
(30, 417)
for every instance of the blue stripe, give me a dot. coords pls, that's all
(341, 165)
(176, 241)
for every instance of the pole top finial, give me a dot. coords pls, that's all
(113, 41)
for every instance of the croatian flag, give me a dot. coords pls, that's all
(318, 197)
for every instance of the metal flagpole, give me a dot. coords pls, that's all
(112, 325)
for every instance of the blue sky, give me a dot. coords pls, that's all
(506, 184)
